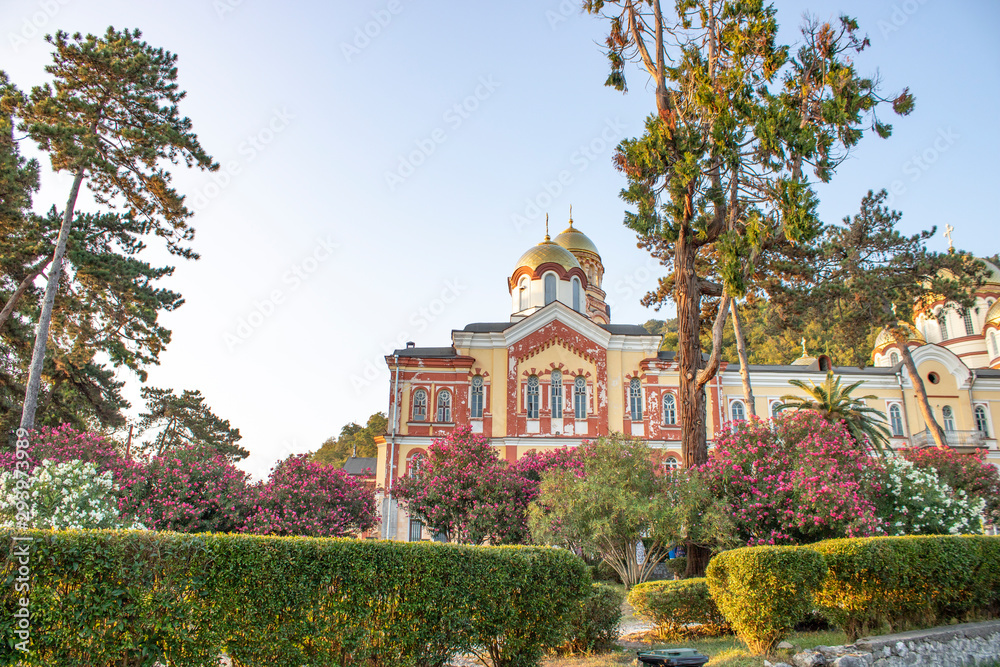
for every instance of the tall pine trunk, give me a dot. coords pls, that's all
(45, 318)
(918, 388)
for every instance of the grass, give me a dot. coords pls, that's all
(722, 651)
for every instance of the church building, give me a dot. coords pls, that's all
(558, 372)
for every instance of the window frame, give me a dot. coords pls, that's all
(524, 294)
(732, 410)
(477, 397)
(550, 279)
(895, 419)
(635, 399)
(580, 397)
(981, 415)
(669, 401)
(942, 320)
(414, 404)
(532, 397)
(556, 394)
(970, 328)
(577, 294)
(948, 417)
(446, 407)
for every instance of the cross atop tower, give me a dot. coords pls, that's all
(948, 229)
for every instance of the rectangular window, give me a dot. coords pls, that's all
(635, 399)
(556, 395)
(580, 398)
(477, 397)
(532, 395)
(416, 530)
(967, 319)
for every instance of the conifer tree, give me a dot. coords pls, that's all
(184, 422)
(720, 179)
(110, 118)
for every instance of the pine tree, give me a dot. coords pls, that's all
(719, 180)
(110, 118)
(185, 421)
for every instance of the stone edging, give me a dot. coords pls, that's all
(959, 645)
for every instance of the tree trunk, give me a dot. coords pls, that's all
(697, 560)
(741, 349)
(918, 388)
(692, 398)
(8, 308)
(42, 335)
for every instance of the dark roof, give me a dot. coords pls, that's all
(487, 327)
(625, 330)
(359, 465)
(988, 372)
(666, 355)
(426, 352)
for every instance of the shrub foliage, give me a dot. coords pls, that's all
(899, 582)
(102, 598)
(679, 609)
(764, 591)
(594, 626)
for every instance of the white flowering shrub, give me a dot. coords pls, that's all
(916, 502)
(60, 496)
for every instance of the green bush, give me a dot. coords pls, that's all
(595, 625)
(675, 606)
(604, 572)
(102, 598)
(900, 582)
(764, 591)
(677, 566)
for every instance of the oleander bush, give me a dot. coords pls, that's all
(764, 591)
(896, 583)
(594, 626)
(680, 609)
(103, 598)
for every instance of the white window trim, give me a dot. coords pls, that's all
(989, 418)
(902, 418)
(732, 402)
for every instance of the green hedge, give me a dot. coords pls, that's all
(135, 598)
(764, 591)
(676, 606)
(594, 627)
(900, 582)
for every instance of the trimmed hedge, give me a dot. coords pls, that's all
(674, 606)
(594, 627)
(764, 591)
(901, 582)
(102, 598)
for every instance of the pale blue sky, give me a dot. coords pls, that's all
(307, 226)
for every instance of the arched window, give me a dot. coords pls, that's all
(576, 295)
(635, 399)
(981, 424)
(967, 320)
(477, 397)
(824, 362)
(580, 397)
(415, 465)
(942, 319)
(671, 463)
(993, 339)
(550, 288)
(523, 296)
(556, 396)
(419, 405)
(669, 409)
(737, 411)
(949, 418)
(533, 397)
(893, 358)
(896, 420)
(444, 406)
(775, 409)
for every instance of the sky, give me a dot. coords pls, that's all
(385, 163)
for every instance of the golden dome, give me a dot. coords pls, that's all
(574, 240)
(548, 251)
(993, 314)
(885, 338)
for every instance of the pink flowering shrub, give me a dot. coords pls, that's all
(64, 444)
(794, 479)
(302, 497)
(190, 491)
(471, 495)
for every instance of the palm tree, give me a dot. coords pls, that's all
(836, 404)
